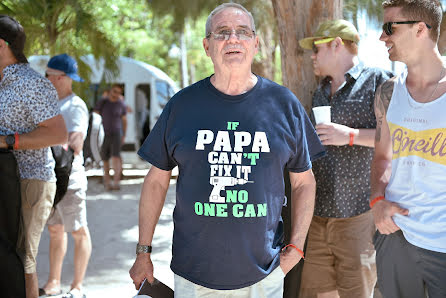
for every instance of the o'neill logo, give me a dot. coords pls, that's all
(428, 144)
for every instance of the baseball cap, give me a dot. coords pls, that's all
(67, 64)
(12, 32)
(333, 28)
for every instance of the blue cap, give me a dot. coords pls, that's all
(67, 64)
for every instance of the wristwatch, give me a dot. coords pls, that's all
(10, 141)
(143, 249)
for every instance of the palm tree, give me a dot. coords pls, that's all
(263, 14)
(62, 26)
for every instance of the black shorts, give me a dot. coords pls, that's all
(111, 146)
(406, 270)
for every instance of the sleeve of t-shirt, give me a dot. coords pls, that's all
(79, 118)
(123, 109)
(308, 146)
(99, 105)
(155, 148)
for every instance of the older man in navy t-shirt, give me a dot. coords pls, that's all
(231, 135)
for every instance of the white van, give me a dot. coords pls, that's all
(147, 89)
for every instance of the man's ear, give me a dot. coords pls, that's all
(206, 46)
(3, 43)
(337, 42)
(422, 28)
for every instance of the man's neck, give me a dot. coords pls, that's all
(424, 69)
(338, 74)
(234, 83)
(64, 93)
(6, 61)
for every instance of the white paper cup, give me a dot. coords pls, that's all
(322, 114)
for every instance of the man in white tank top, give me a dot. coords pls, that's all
(408, 172)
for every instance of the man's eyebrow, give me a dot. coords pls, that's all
(227, 27)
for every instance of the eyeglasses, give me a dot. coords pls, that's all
(47, 74)
(321, 41)
(387, 27)
(225, 34)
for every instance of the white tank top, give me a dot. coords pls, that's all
(418, 180)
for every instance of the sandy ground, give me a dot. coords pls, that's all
(113, 223)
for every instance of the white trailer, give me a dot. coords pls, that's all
(147, 89)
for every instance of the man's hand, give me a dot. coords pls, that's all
(288, 259)
(141, 269)
(122, 140)
(383, 212)
(334, 134)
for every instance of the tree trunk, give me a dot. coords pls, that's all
(265, 66)
(297, 19)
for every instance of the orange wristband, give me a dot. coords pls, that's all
(16, 141)
(375, 200)
(352, 136)
(295, 247)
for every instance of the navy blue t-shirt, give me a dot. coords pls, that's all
(231, 152)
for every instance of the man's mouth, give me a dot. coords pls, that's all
(230, 52)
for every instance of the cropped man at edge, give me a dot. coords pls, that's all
(408, 171)
(29, 124)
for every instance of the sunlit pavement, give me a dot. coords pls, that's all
(113, 222)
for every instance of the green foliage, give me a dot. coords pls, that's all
(371, 8)
(63, 26)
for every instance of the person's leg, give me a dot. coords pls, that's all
(82, 252)
(37, 200)
(398, 272)
(332, 294)
(433, 266)
(31, 285)
(58, 249)
(269, 287)
(105, 155)
(107, 178)
(117, 168)
(73, 210)
(116, 160)
(318, 276)
(350, 239)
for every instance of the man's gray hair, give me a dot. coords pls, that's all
(222, 7)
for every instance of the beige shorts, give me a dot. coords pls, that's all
(71, 211)
(340, 256)
(269, 287)
(37, 201)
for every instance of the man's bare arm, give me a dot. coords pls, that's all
(124, 127)
(76, 141)
(382, 100)
(381, 167)
(48, 133)
(303, 192)
(151, 203)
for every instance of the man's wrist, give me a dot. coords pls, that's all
(3, 144)
(376, 200)
(143, 249)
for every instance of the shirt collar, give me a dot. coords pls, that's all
(355, 71)
(12, 69)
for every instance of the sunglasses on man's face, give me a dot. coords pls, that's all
(387, 27)
(47, 74)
